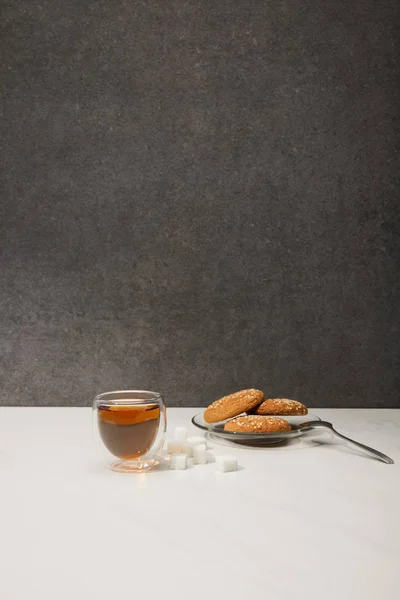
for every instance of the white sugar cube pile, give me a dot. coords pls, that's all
(178, 462)
(191, 442)
(226, 463)
(186, 451)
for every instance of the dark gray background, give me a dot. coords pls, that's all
(198, 197)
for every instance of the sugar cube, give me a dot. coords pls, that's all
(196, 439)
(174, 447)
(200, 454)
(187, 448)
(178, 462)
(226, 463)
(180, 434)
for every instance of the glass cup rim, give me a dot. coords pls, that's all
(147, 396)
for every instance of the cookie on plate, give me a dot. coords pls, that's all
(257, 424)
(233, 405)
(280, 406)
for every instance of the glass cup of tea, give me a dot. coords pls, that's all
(129, 429)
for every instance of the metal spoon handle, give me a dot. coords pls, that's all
(314, 424)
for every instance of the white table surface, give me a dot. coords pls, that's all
(310, 520)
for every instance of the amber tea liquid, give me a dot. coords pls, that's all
(128, 431)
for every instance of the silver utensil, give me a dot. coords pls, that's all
(315, 424)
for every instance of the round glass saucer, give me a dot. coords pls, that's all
(256, 439)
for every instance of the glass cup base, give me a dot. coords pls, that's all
(133, 466)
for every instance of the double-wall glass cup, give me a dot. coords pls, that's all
(129, 429)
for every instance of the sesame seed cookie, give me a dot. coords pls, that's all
(257, 424)
(233, 405)
(280, 406)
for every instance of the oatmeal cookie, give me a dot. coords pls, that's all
(233, 405)
(257, 424)
(280, 406)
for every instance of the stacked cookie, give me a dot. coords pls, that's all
(261, 414)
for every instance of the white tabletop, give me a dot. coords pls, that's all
(309, 520)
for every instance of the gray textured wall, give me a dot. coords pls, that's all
(200, 196)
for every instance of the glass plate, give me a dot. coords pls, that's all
(258, 439)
